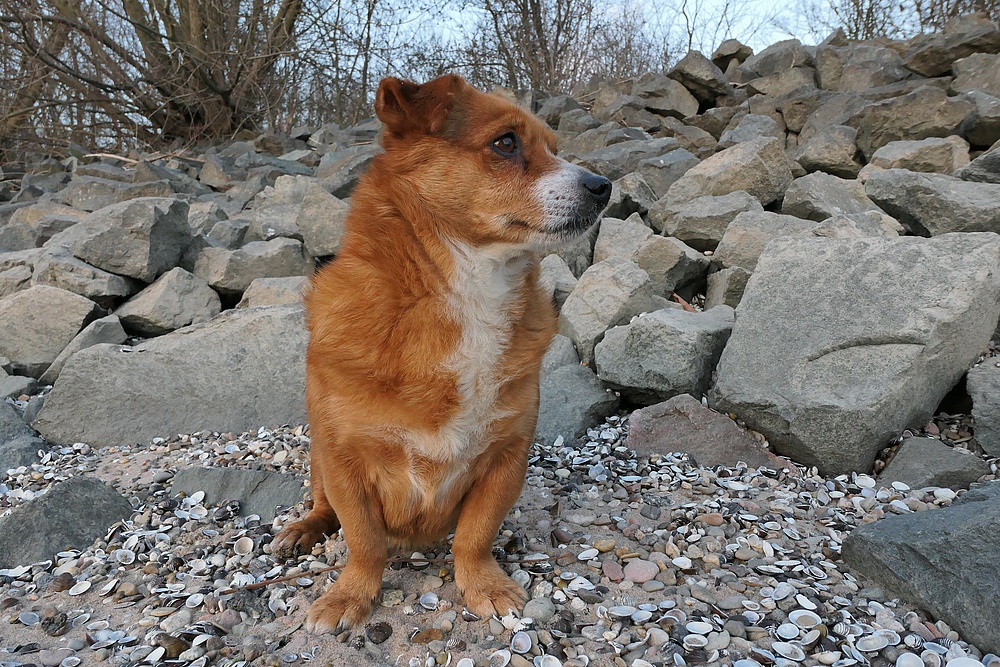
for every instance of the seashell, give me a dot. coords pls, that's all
(891, 636)
(80, 620)
(621, 611)
(429, 601)
(243, 546)
(782, 591)
(468, 616)
(520, 642)
(276, 605)
(70, 661)
(98, 625)
(510, 621)
(828, 657)
(761, 655)
(747, 662)
(693, 641)
(199, 662)
(805, 602)
(500, 658)
(963, 662)
(124, 556)
(871, 643)
(787, 631)
(811, 638)
(931, 658)
(80, 588)
(788, 650)
(156, 655)
(641, 616)
(28, 617)
(804, 618)
(194, 601)
(588, 554)
(304, 582)
(108, 588)
(195, 498)
(907, 659)
(198, 512)
(465, 662)
(913, 640)
(699, 627)
(552, 661)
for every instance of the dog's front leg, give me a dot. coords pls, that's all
(487, 588)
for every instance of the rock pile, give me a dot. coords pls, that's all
(806, 239)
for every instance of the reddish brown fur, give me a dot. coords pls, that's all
(384, 332)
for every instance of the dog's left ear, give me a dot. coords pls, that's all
(405, 107)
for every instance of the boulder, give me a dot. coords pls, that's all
(944, 561)
(832, 373)
(107, 330)
(56, 267)
(21, 451)
(620, 238)
(933, 204)
(858, 67)
(11, 425)
(941, 156)
(571, 400)
(608, 293)
(984, 169)
(682, 424)
(91, 193)
(662, 171)
(758, 167)
(749, 233)
(819, 196)
(750, 127)
(700, 76)
(778, 57)
(664, 353)
(560, 353)
(671, 264)
(979, 71)
(629, 194)
(924, 462)
(983, 382)
(577, 121)
(14, 279)
(340, 170)
(726, 287)
(37, 323)
(299, 207)
(934, 54)
(618, 159)
(701, 222)
(274, 292)
(982, 126)
(12, 386)
(258, 491)
(242, 370)
(175, 300)
(665, 97)
(782, 83)
(71, 515)
(230, 272)
(554, 107)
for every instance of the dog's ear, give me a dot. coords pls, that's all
(405, 107)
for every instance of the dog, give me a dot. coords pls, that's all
(427, 333)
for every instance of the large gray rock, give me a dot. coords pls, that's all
(107, 330)
(55, 266)
(924, 462)
(832, 373)
(666, 97)
(783, 83)
(618, 159)
(935, 54)
(858, 67)
(701, 222)
(749, 127)
(141, 238)
(984, 169)
(700, 76)
(749, 233)
(982, 127)
(11, 425)
(91, 193)
(725, 287)
(671, 265)
(662, 171)
(230, 272)
(778, 57)
(572, 400)
(983, 382)
(758, 167)
(609, 293)
(71, 515)
(242, 370)
(979, 71)
(175, 300)
(942, 156)
(944, 561)
(833, 150)
(299, 207)
(274, 292)
(37, 323)
(664, 353)
(258, 491)
(818, 196)
(620, 238)
(20, 451)
(933, 204)
(560, 353)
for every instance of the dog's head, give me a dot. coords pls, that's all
(484, 167)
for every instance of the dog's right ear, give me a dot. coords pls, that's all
(405, 107)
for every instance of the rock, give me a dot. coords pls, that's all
(693, 139)
(609, 293)
(56, 267)
(857, 225)
(12, 386)
(620, 238)
(340, 170)
(982, 126)
(924, 462)
(91, 193)
(701, 222)
(103, 330)
(833, 150)
(571, 401)
(944, 562)
(758, 167)
(984, 169)
(14, 279)
(858, 67)
(629, 194)
(700, 76)
(782, 83)
(640, 571)
(11, 425)
(621, 158)
(37, 323)
(730, 50)
(662, 171)
(230, 272)
(749, 233)
(926, 112)
(218, 173)
(242, 370)
(554, 107)
(942, 156)
(778, 57)
(665, 97)
(671, 264)
(274, 292)
(577, 121)
(979, 71)
(664, 353)
(299, 207)
(983, 382)
(20, 451)
(577, 253)
(175, 300)
(540, 609)
(750, 127)
(726, 287)
(934, 54)
(819, 196)
(71, 515)
(684, 425)
(560, 353)
(258, 491)
(933, 204)
(831, 374)
(178, 180)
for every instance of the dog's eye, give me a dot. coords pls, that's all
(505, 144)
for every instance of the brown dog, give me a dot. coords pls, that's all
(426, 337)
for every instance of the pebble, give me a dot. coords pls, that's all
(638, 570)
(612, 570)
(540, 609)
(176, 621)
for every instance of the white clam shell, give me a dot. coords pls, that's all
(194, 601)
(588, 554)
(520, 642)
(243, 546)
(465, 662)
(552, 661)
(907, 659)
(789, 650)
(80, 588)
(500, 658)
(429, 601)
(963, 662)
(871, 643)
(70, 661)
(787, 631)
(804, 618)
(28, 617)
(694, 641)
(699, 627)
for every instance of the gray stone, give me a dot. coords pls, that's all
(923, 462)
(299, 207)
(629, 194)
(258, 491)
(14, 279)
(701, 222)
(554, 107)
(730, 50)
(90, 193)
(219, 173)
(942, 156)
(571, 401)
(749, 233)
(979, 71)
(106, 330)
(175, 300)
(683, 424)
(982, 126)
(560, 353)
(944, 562)
(700, 76)
(11, 425)
(540, 609)
(56, 267)
(621, 158)
(782, 83)
(832, 373)
(666, 97)
(671, 264)
(858, 67)
(694, 139)
(664, 353)
(778, 57)
(37, 323)
(758, 167)
(44, 219)
(577, 121)
(12, 386)
(933, 204)
(203, 216)
(230, 272)
(750, 127)
(984, 169)
(242, 370)
(663, 171)
(620, 238)
(834, 150)
(797, 105)
(856, 226)
(983, 382)
(934, 54)
(71, 515)
(228, 234)
(608, 293)
(819, 196)
(21, 451)
(556, 279)
(726, 287)
(274, 292)
(577, 253)
(179, 182)
(340, 170)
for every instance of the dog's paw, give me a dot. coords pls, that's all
(493, 592)
(340, 608)
(297, 539)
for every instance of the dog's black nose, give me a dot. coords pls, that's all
(598, 186)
